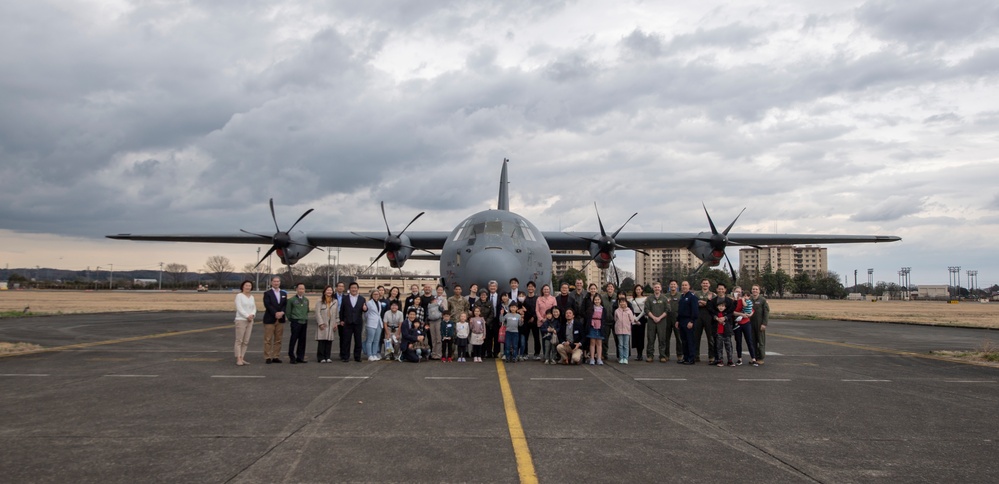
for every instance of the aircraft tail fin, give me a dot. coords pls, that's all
(504, 193)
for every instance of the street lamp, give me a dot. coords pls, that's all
(111, 277)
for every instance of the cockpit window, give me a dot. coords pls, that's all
(518, 230)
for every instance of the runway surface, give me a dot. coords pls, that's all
(157, 398)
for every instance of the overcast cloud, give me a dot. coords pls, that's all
(875, 117)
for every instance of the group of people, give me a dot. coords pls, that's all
(566, 328)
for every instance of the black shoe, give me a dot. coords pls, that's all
(357, 360)
(276, 360)
(293, 362)
(302, 361)
(268, 361)
(345, 360)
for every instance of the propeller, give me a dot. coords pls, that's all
(281, 239)
(606, 245)
(718, 241)
(393, 242)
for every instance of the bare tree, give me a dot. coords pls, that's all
(253, 273)
(176, 273)
(219, 269)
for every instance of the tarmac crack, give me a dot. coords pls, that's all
(698, 423)
(308, 416)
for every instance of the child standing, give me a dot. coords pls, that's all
(549, 335)
(598, 316)
(743, 330)
(624, 317)
(724, 336)
(447, 337)
(477, 326)
(511, 321)
(461, 333)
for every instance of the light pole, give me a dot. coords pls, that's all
(161, 276)
(111, 277)
(870, 279)
(329, 263)
(256, 272)
(955, 280)
(97, 278)
(336, 267)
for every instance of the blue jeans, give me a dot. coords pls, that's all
(746, 332)
(512, 345)
(623, 346)
(373, 341)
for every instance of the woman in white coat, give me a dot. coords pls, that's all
(327, 321)
(373, 327)
(246, 310)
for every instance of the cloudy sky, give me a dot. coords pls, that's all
(876, 117)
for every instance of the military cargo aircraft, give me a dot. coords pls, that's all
(500, 244)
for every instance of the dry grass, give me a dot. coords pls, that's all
(933, 313)
(17, 347)
(915, 312)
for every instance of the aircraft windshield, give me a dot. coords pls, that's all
(518, 230)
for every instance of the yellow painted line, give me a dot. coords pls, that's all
(884, 350)
(525, 466)
(113, 341)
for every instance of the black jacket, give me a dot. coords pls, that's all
(274, 305)
(350, 315)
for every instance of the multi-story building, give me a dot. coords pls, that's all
(663, 262)
(593, 273)
(808, 259)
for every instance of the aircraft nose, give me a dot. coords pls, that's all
(497, 264)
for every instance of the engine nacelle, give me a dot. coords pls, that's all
(703, 250)
(602, 258)
(295, 251)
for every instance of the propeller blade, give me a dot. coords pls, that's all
(380, 254)
(258, 235)
(411, 223)
(616, 277)
(300, 219)
(619, 246)
(698, 268)
(422, 250)
(710, 222)
(736, 242)
(274, 217)
(307, 245)
(733, 222)
(369, 238)
(622, 225)
(385, 219)
(602, 231)
(268, 254)
(730, 268)
(291, 275)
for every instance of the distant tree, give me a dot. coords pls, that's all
(570, 276)
(767, 281)
(782, 282)
(16, 278)
(253, 272)
(829, 284)
(627, 285)
(175, 273)
(713, 275)
(803, 283)
(219, 269)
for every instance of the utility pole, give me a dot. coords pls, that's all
(256, 272)
(870, 279)
(955, 280)
(336, 268)
(329, 263)
(111, 278)
(161, 276)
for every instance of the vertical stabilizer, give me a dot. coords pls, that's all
(504, 193)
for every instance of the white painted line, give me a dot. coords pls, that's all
(969, 381)
(660, 379)
(132, 376)
(868, 380)
(769, 353)
(237, 376)
(24, 374)
(450, 378)
(345, 377)
(556, 379)
(764, 379)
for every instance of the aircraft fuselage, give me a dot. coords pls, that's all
(495, 245)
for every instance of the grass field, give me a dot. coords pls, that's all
(974, 314)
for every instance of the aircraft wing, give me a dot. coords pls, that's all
(361, 240)
(665, 240)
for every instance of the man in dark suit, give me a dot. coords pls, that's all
(352, 319)
(275, 302)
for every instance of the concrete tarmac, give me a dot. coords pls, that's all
(156, 397)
